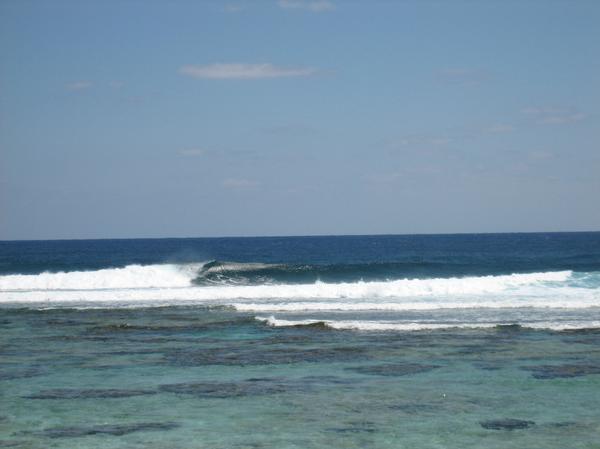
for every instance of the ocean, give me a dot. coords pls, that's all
(399, 341)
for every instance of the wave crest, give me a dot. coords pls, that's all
(131, 276)
(173, 284)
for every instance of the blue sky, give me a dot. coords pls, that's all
(297, 117)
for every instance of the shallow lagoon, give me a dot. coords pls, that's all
(194, 377)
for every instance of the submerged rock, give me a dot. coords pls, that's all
(488, 366)
(393, 369)
(563, 424)
(327, 380)
(415, 408)
(250, 387)
(481, 349)
(5, 443)
(355, 427)
(237, 355)
(184, 326)
(115, 429)
(506, 424)
(351, 429)
(68, 393)
(580, 331)
(21, 373)
(562, 371)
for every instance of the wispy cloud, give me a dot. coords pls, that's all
(411, 141)
(79, 85)
(463, 75)
(406, 174)
(233, 8)
(136, 100)
(500, 128)
(553, 115)
(307, 5)
(192, 152)
(291, 130)
(538, 111)
(244, 71)
(383, 178)
(540, 154)
(239, 183)
(562, 119)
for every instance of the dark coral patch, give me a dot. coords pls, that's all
(5, 443)
(21, 373)
(262, 356)
(563, 424)
(414, 409)
(488, 366)
(506, 424)
(185, 327)
(250, 387)
(562, 371)
(480, 349)
(393, 369)
(116, 430)
(581, 331)
(351, 429)
(355, 427)
(327, 380)
(67, 393)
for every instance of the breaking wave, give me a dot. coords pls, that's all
(550, 299)
(131, 276)
(221, 284)
(234, 274)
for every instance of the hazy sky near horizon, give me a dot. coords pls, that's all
(296, 117)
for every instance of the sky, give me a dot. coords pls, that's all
(124, 119)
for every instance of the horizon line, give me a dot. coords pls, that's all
(296, 236)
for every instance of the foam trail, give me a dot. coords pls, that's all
(573, 301)
(416, 326)
(369, 325)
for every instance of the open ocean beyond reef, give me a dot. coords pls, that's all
(437, 341)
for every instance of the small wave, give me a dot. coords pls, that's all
(361, 325)
(396, 306)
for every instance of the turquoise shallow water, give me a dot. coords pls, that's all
(194, 377)
(447, 341)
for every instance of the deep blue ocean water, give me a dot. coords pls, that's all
(453, 341)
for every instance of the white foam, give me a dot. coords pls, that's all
(572, 301)
(172, 284)
(368, 325)
(171, 275)
(420, 326)
(131, 276)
